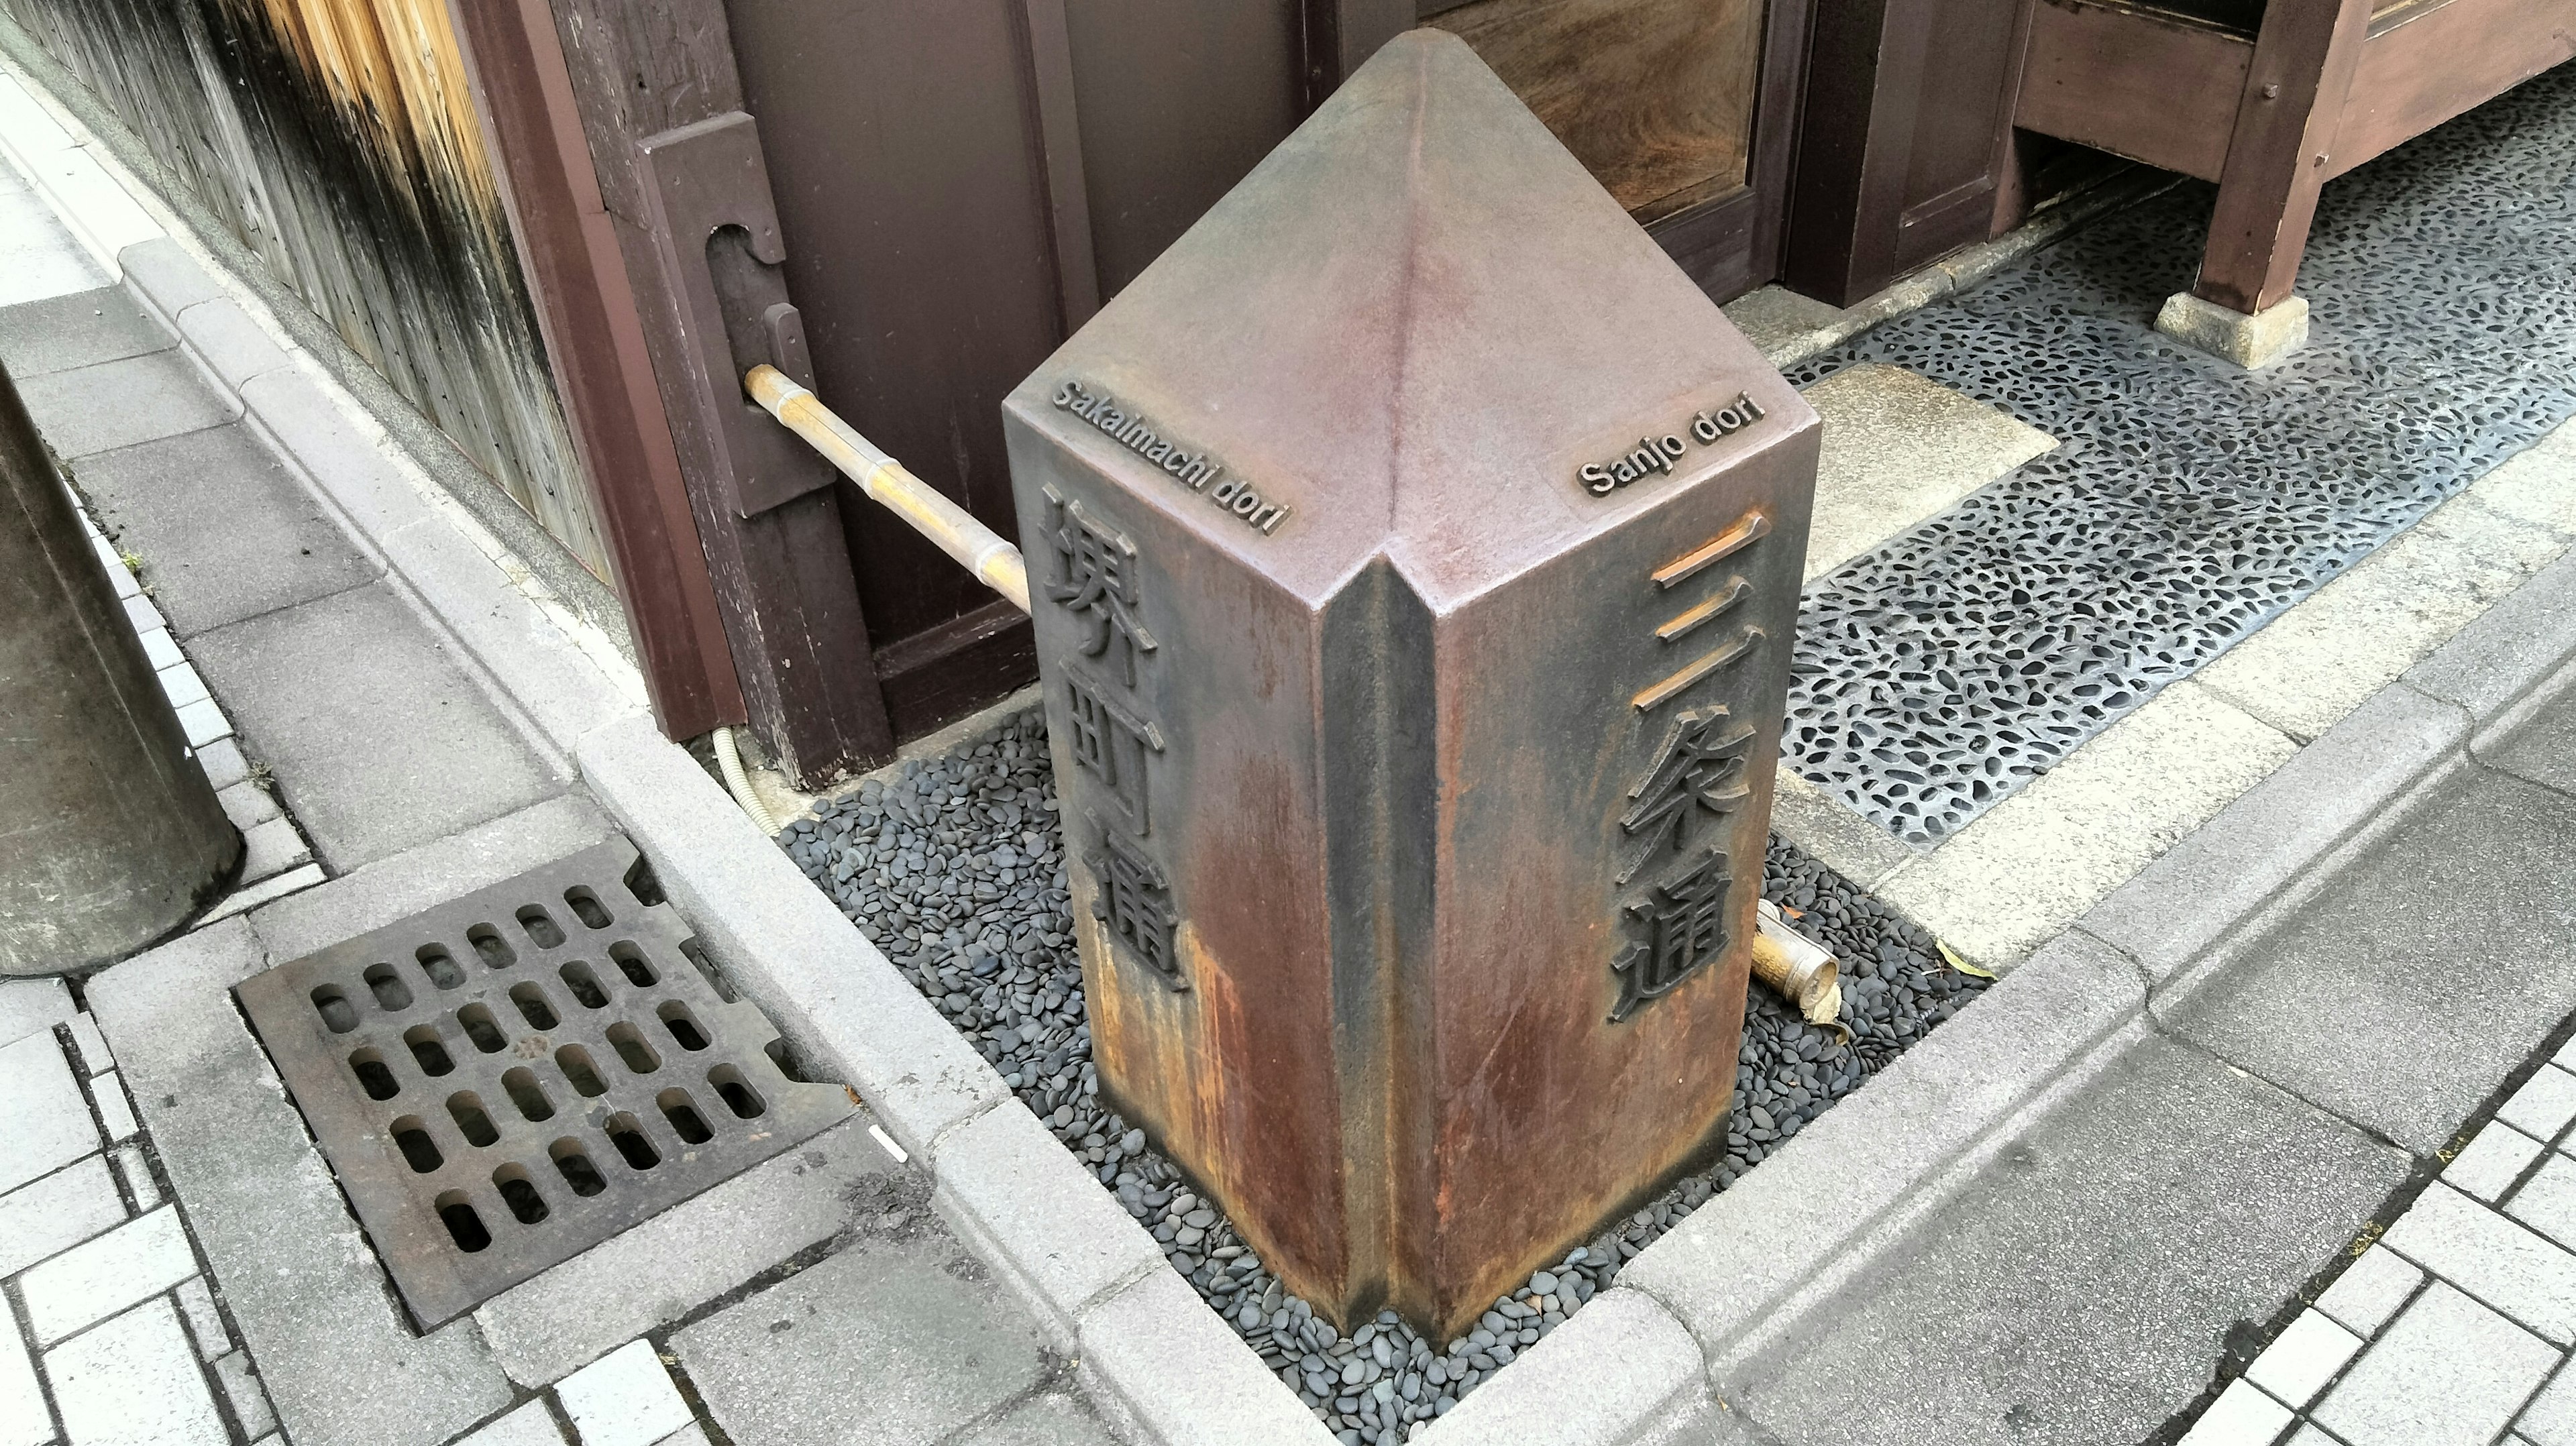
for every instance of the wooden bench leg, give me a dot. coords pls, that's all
(2277, 155)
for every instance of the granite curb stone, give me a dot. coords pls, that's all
(2509, 650)
(535, 666)
(1632, 1365)
(1220, 1396)
(655, 1272)
(1753, 1245)
(94, 206)
(831, 993)
(1011, 1189)
(27, 128)
(2221, 874)
(294, 414)
(167, 277)
(233, 346)
(28, 1005)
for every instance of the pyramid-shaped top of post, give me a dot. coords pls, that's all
(1406, 332)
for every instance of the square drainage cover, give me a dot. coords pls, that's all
(514, 1076)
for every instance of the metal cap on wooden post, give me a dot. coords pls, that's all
(1414, 553)
(110, 835)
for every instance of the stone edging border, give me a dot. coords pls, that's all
(1646, 1360)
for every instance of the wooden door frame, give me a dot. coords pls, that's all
(1731, 244)
(587, 318)
(788, 650)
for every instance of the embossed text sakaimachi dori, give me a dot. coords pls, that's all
(1195, 470)
(1661, 454)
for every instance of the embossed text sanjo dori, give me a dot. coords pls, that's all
(1662, 454)
(1195, 470)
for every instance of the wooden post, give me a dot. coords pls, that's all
(595, 347)
(2281, 150)
(782, 578)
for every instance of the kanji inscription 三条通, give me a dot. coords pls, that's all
(1699, 770)
(1696, 779)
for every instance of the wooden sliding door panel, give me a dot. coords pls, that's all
(1178, 100)
(1655, 97)
(914, 208)
(2134, 84)
(2442, 59)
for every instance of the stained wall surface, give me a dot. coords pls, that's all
(338, 140)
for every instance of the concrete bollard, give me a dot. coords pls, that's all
(110, 836)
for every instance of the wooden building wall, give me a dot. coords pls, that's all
(339, 140)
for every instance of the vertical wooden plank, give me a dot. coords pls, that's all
(782, 579)
(586, 312)
(1907, 114)
(1359, 28)
(1059, 129)
(2280, 150)
(340, 143)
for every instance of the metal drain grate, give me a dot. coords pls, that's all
(507, 1079)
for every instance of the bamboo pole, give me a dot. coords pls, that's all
(930, 513)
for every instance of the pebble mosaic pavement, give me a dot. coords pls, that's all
(956, 871)
(2191, 501)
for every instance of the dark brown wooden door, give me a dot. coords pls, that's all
(1904, 145)
(1683, 109)
(961, 185)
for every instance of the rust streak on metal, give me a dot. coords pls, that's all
(1746, 529)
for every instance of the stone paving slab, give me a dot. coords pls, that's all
(2406, 987)
(79, 329)
(663, 1269)
(1050, 1418)
(135, 1382)
(394, 888)
(38, 257)
(2543, 749)
(99, 408)
(908, 1334)
(337, 1355)
(56, 1212)
(224, 530)
(2078, 1290)
(28, 1005)
(1898, 448)
(380, 740)
(2449, 1372)
(49, 1123)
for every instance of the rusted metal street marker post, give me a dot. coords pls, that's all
(1414, 553)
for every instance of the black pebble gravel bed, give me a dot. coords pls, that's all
(956, 871)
